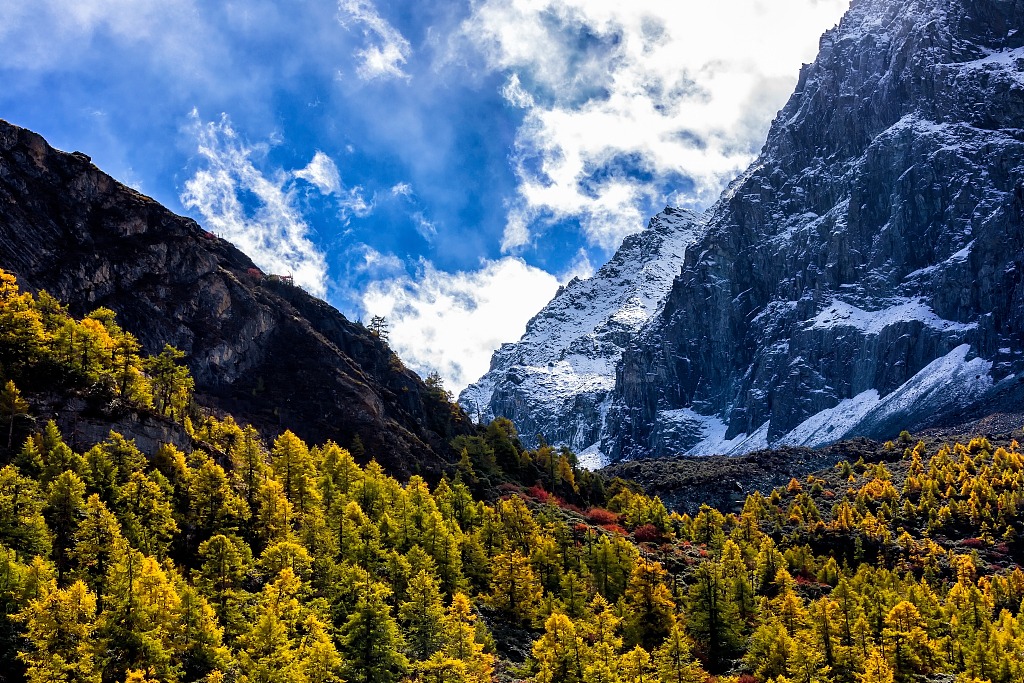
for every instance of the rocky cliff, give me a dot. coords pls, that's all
(557, 380)
(864, 275)
(262, 350)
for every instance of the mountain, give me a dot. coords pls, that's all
(864, 275)
(556, 381)
(259, 348)
(861, 277)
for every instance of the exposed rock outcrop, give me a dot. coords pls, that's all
(265, 351)
(864, 275)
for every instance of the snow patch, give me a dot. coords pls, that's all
(592, 458)
(842, 314)
(710, 431)
(832, 424)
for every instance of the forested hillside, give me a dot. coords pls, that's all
(246, 561)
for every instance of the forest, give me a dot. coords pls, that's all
(275, 560)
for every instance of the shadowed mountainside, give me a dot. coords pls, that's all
(265, 351)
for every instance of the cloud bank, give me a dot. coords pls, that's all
(271, 230)
(387, 50)
(630, 104)
(452, 322)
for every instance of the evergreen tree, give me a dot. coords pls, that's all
(649, 607)
(249, 464)
(22, 527)
(714, 619)
(59, 627)
(911, 649)
(225, 561)
(319, 660)
(515, 591)
(770, 649)
(57, 457)
(636, 666)
(138, 625)
(65, 506)
(198, 640)
(147, 519)
(172, 384)
(379, 327)
(558, 654)
(422, 616)
(674, 660)
(876, 669)
(12, 406)
(461, 641)
(214, 507)
(294, 468)
(99, 545)
(372, 641)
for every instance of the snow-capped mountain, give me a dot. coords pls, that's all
(864, 275)
(556, 380)
(861, 277)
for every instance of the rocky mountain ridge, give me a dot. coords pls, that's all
(556, 381)
(259, 348)
(861, 277)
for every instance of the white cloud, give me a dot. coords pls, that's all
(352, 202)
(322, 173)
(625, 98)
(273, 233)
(452, 322)
(375, 263)
(424, 227)
(515, 94)
(580, 267)
(388, 50)
(401, 190)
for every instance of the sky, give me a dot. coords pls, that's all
(447, 164)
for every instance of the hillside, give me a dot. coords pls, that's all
(261, 349)
(281, 562)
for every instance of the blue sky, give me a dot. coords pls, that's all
(444, 163)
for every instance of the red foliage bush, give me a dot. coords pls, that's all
(538, 493)
(973, 543)
(614, 528)
(647, 533)
(602, 516)
(254, 273)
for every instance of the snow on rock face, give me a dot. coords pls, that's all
(555, 381)
(865, 274)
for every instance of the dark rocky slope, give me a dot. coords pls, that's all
(266, 352)
(864, 275)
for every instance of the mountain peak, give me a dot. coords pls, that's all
(863, 273)
(555, 381)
